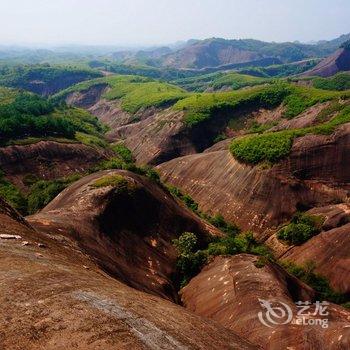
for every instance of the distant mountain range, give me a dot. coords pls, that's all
(214, 52)
(208, 54)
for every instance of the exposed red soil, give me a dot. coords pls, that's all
(339, 61)
(129, 234)
(48, 160)
(54, 297)
(315, 173)
(228, 291)
(329, 250)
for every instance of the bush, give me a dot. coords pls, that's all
(185, 198)
(319, 283)
(191, 259)
(301, 228)
(123, 152)
(338, 82)
(12, 195)
(269, 147)
(43, 192)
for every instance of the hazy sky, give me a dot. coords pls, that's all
(134, 22)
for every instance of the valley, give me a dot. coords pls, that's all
(152, 199)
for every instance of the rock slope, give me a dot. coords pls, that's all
(128, 230)
(315, 173)
(54, 297)
(228, 291)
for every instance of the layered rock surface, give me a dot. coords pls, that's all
(54, 296)
(128, 231)
(315, 173)
(48, 160)
(231, 290)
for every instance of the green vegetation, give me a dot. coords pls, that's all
(272, 147)
(44, 78)
(123, 152)
(134, 92)
(192, 257)
(42, 192)
(280, 70)
(338, 82)
(269, 147)
(25, 116)
(216, 81)
(301, 228)
(319, 283)
(237, 81)
(201, 107)
(11, 194)
(120, 183)
(185, 198)
(302, 97)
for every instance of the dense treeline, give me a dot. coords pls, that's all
(44, 79)
(28, 115)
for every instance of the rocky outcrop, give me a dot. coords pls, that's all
(315, 174)
(330, 250)
(48, 160)
(54, 296)
(338, 62)
(127, 231)
(86, 98)
(233, 290)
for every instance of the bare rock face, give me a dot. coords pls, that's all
(55, 297)
(315, 173)
(127, 230)
(339, 61)
(48, 160)
(86, 98)
(329, 250)
(228, 291)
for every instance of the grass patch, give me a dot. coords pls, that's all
(302, 98)
(134, 92)
(274, 146)
(201, 107)
(123, 152)
(120, 183)
(91, 140)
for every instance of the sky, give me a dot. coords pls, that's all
(159, 22)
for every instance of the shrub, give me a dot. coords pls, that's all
(190, 260)
(123, 152)
(301, 228)
(42, 192)
(269, 147)
(219, 222)
(320, 284)
(185, 198)
(338, 82)
(12, 195)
